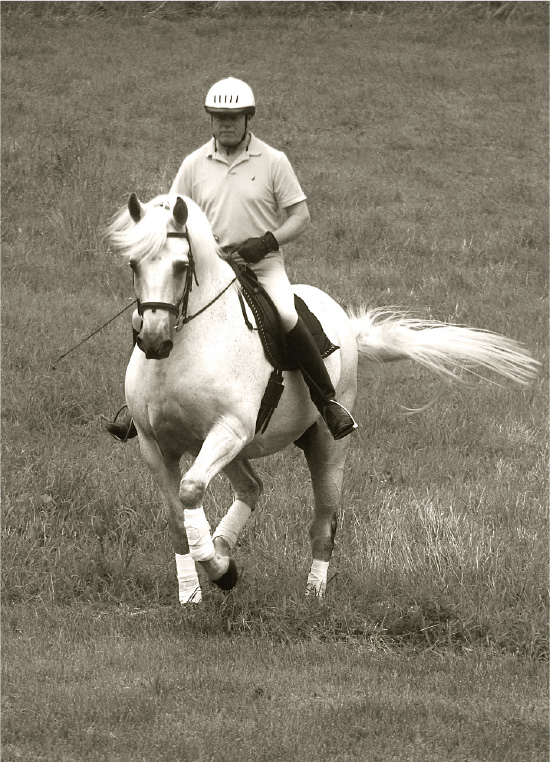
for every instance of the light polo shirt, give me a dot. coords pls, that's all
(244, 199)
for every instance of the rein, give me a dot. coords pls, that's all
(189, 318)
(54, 367)
(174, 309)
(180, 309)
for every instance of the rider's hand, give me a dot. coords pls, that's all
(255, 249)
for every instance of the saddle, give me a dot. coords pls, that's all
(272, 336)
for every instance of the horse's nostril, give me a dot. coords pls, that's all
(166, 348)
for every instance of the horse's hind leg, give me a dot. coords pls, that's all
(325, 458)
(247, 488)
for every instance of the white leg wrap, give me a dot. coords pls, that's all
(317, 578)
(188, 580)
(233, 522)
(198, 535)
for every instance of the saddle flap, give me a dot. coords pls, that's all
(269, 325)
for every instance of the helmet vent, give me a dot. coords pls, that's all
(231, 94)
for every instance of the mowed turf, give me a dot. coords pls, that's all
(127, 685)
(419, 133)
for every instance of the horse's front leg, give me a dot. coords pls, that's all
(221, 446)
(166, 473)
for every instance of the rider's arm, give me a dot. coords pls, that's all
(296, 223)
(255, 249)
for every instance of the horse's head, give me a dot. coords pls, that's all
(153, 238)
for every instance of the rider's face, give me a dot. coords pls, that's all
(228, 129)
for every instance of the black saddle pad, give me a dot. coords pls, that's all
(269, 327)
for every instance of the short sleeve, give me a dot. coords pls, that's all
(285, 183)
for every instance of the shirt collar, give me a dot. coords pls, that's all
(254, 147)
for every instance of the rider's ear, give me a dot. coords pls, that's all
(135, 208)
(180, 212)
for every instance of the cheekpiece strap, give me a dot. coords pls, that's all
(191, 275)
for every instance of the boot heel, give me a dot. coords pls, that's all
(122, 430)
(339, 420)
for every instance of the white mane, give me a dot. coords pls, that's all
(147, 237)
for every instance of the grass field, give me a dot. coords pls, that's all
(419, 132)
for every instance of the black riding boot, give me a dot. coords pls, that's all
(124, 429)
(303, 351)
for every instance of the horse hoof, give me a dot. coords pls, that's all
(229, 579)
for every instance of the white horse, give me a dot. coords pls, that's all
(196, 378)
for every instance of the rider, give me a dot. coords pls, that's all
(254, 203)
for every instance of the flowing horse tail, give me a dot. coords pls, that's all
(385, 335)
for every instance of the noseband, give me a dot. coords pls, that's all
(179, 309)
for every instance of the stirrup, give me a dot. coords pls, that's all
(343, 424)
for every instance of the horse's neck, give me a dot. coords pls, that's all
(212, 278)
(216, 329)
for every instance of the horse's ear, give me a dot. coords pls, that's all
(134, 208)
(180, 212)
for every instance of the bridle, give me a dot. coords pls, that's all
(180, 308)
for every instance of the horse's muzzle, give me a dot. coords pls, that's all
(155, 351)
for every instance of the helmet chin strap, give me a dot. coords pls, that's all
(245, 127)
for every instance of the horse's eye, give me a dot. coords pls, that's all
(179, 266)
(133, 265)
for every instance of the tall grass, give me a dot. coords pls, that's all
(142, 11)
(423, 150)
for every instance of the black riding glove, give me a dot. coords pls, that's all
(255, 249)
